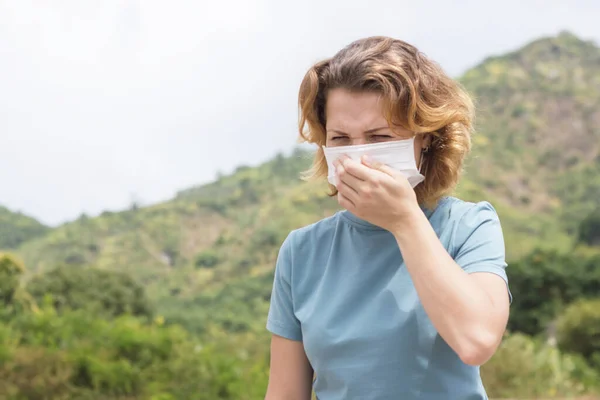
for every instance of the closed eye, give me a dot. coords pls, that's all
(381, 137)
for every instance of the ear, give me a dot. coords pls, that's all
(427, 139)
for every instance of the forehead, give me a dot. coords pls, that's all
(360, 110)
(357, 112)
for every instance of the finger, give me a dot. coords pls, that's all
(350, 180)
(357, 170)
(345, 202)
(348, 192)
(380, 167)
(386, 170)
(342, 160)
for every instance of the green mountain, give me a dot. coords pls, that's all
(207, 256)
(538, 149)
(16, 228)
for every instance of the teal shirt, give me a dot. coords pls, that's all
(341, 287)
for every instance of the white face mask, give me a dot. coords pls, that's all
(398, 155)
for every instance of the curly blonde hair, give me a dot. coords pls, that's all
(417, 95)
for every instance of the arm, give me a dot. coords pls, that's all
(466, 298)
(290, 375)
(469, 310)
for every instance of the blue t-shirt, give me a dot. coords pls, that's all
(341, 287)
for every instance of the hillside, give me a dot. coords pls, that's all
(186, 250)
(207, 256)
(16, 228)
(538, 147)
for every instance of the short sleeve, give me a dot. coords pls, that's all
(281, 319)
(479, 244)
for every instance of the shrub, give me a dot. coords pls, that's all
(525, 368)
(75, 355)
(11, 270)
(268, 237)
(207, 259)
(578, 329)
(589, 229)
(544, 282)
(107, 293)
(36, 373)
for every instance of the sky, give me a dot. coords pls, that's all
(105, 102)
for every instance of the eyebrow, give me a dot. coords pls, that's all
(367, 131)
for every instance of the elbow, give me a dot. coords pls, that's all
(476, 357)
(479, 348)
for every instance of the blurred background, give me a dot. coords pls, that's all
(149, 173)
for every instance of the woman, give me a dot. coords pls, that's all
(402, 295)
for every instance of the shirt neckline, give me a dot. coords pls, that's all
(354, 220)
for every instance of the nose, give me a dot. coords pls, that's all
(358, 140)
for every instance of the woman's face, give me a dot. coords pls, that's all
(357, 118)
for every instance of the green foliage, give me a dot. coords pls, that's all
(525, 368)
(537, 136)
(11, 270)
(579, 329)
(106, 293)
(589, 229)
(268, 237)
(239, 306)
(579, 190)
(544, 282)
(35, 373)
(207, 259)
(76, 355)
(16, 228)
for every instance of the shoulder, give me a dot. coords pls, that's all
(306, 237)
(460, 221)
(473, 231)
(303, 246)
(464, 214)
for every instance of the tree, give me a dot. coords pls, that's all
(107, 293)
(579, 329)
(16, 228)
(207, 259)
(544, 282)
(589, 229)
(11, 270)
(524, 367)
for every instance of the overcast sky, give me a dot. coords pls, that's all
(105, 101)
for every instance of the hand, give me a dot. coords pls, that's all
(375, 193)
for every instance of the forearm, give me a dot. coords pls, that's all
(460, 310)
(290, 373)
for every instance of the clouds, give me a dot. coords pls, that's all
(100, 100)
